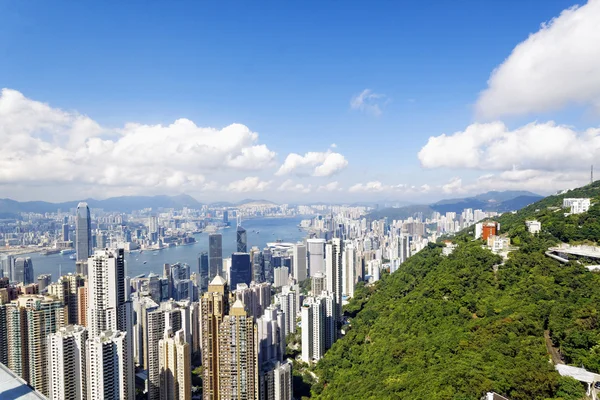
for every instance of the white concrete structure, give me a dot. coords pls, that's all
(281, 276)
(577, 206)
(110, 376)
(67, 363)
(318, 326)
(533, 226)
(333, 273)
(175, 367)
(349, 276)
(299, 270)
(316, 255)
(289, 300)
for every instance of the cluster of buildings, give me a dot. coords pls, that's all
(99, 334)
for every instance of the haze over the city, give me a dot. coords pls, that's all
(402, 101)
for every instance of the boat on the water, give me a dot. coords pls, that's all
(67, 251)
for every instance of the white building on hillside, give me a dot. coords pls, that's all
(577, 206)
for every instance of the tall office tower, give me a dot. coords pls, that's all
(349, 277)
(316, 255)
(153, 224)
(23, 270)
(226, 217)
(43, 281)
(175, 367)
(65, 233)
(203, 271)
(237, 355)
(241, 269)
(67, 374)
(404, 246)
(82, 304)
(333, 266)
(214, 306)
(318, 284)
(167, 316)
(215, 255)
(276, 381)
(289, 300)
(30, 319)
(67, 290)
(110, 375)
(281, 276)
(256, 297)
(6, 266)
(258, 273)
(242, 239)
(299, 270)
(83, 233)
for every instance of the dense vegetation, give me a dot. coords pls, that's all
(456, 327)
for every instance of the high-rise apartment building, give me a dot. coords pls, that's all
(214, 306)
(23, 271)
(299, 270)
(276, 381)
(281, 276)
(237, 355)
(67, 290)
(318, 326)
(110, 367)
(83, 233)
(175, 367)
(318, 283)
(67, 361)
(349, 273)
(215, 255)
(30, 319)
(333, 273)
(256, 297)
(289, 299)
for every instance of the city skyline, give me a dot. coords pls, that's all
(320, 135)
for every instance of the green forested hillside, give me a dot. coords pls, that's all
(455, 327)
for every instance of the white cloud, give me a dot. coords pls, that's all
(289, 186)
(249, 184)
(330, 187)
(453, 186)
(373, 186)
(369, 102)
(42, 145)
(333, 145)
(322, 164)
(554, 67)
(492, 146)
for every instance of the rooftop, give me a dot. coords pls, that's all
(13, 387)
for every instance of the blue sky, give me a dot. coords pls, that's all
(288, 71)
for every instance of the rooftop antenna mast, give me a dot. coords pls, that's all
(592, 175)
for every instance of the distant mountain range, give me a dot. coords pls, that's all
(122, 203)
(11, 208)
(509, 200)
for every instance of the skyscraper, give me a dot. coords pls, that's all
(23, 270)
(203, 271)
(67, 363)
(66, 289)
(238, 355)
(65, 232)
(242, 239)
(83, 233)
(175, 367)
(215, 255)
(214, 306)
(106, 292)
(333, 273)
(241, 269)
(30, 319)
(110, 367)
(299, 271)
(43, 281)
(316, 255)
